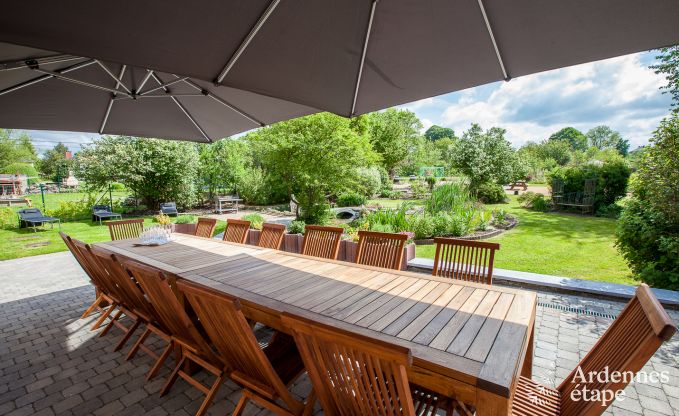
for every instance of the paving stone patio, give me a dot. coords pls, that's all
(51, 364)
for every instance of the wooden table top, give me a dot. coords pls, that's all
(474, 333)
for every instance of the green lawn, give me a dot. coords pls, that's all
(558, 244)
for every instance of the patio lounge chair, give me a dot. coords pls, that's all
(33, 217)
(103, 212)
(169, 208)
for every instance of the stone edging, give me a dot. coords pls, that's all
(480, 236)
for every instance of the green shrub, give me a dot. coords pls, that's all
(252, 187)
(21, 169)
(422, 225)
(117, 186)
(535, 201)
(431, 182)
(500, 218)
(162, 219)
(418, 188)
(368, 181)
(389, 193)
(609, 211)
(382, 228)
(611, 180)
(351, 199)
(484, 220)
(396, 218)
(648, 228)
(490, 193)
(8, 218)
(296, 227)
(256, 220)
(186, 219)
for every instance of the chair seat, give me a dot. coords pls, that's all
(284, 357)
(532, 399)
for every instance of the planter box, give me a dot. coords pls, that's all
(184, 228)
(292, 243)
(253, 237)
(348, 249)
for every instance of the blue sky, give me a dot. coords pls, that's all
(619, 92)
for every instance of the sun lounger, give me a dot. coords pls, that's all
(33, 217)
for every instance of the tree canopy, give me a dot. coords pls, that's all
(603, 137)
(17, 153)
(54, 162)
(669, 66)
(155, 170)
(435, 132)
(572, 136)
(391, 134)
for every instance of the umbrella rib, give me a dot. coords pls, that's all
(225, 103)
(45, 77)
(195, 123)
(363, 54)
(260, 22)
(144, 80)
(181, 107)
(492, 39)
(162, 85)
(77, 81)
(47, 60)
(110, 102)
(118, 80)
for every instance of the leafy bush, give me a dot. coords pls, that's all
(368, 181)
(382, 228)
(256, 220)
(418, 188)
(500, 218)
(162, 219)
(484, 220)
(296, 227)
(648, 228)
(351, 199)
(611, 180)
(117, 186)
(252, 187)
(609, 211)
(431, 182)
(490, 193)
(535, 201)
(396, 218)
(422, 226)
(389, 193)
(20, 168)
(8, 218)
(186, 219)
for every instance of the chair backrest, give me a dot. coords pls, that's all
(321, 241)
(271, 236)
(99, 208)
(236, 231)
(98, 274)
(232, 337)
(81, 261)
(352, 374)
(625, 347)
(557, 187)
(464, 259)
(380, 249)
(128, 288)
(121, 230)
(205, 227)
(30, 213)
(169, 309)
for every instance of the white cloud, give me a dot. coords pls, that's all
(622, 93)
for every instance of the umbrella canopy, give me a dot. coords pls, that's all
(46, 90)
(348, 57)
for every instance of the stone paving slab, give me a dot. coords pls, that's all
(51, 364)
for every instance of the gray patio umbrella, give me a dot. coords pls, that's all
(46, 90)
(345, 56)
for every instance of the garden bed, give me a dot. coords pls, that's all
(478, 235)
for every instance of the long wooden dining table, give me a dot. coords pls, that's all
(468, 341)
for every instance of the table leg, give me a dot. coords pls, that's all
(491, 404)
(527, 369)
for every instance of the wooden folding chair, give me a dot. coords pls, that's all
(183, 333)
(236, 231)
(102, 300)
(380, 249)
(464, 260)
(265, 374)
(272, 236)
(121, 230)
(321, 241)
(109, 291)
(355, 375)
(205, 227)
(625, 347)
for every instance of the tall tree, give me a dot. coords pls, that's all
(391, 133)
(668, 64)
(16, 149)
(54, 162)
(572, 136)
(435, 132)
(486, 157)
(155, 170)
(312, 157)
